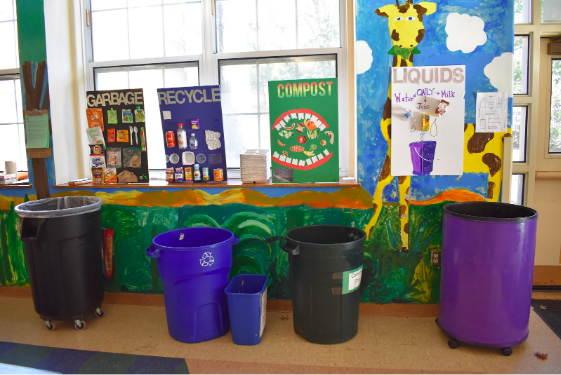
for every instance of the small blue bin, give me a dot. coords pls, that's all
(247, 306)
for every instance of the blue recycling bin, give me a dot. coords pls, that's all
(247, 306)
(194, 265)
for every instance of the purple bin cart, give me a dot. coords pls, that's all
(487, 270)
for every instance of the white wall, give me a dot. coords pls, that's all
(547, 201)
(67, 119)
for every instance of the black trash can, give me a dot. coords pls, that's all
(326, 270)
(62, 238)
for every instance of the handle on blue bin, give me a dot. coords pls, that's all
(153, 251)
(289, 248)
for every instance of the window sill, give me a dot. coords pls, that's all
(232, 183)
(15, 186)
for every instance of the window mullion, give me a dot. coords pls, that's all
(208, 63)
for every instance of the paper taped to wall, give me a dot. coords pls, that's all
(491, 112)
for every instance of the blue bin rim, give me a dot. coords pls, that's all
(193, 248)
(460, 210)
(266, 279)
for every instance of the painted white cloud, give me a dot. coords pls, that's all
(465, 32)
(499, 72)
(363, 54)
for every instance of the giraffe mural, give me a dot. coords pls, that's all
(481, 150)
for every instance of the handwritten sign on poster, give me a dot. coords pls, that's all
(427, 131)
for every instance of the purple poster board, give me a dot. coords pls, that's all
(181, 106)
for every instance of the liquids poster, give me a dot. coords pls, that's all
(428, 109)
(304, 130)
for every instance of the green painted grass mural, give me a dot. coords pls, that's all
(389, 275)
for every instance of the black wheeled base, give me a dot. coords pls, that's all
(454, 342)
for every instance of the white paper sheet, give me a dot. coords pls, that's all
(491, 112)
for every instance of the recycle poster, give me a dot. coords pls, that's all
(199, 109)
(304, 130)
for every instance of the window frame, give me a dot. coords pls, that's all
(13, 74)
(208, 64)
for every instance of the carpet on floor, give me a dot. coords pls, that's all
(72, 361)
(549, 311)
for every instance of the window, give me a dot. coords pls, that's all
(519, 126)
(172, 43)
(517, 189)
(551, 11)
(555, 114)
(522, 11)
(521, 52)
(12, 134)
(248, 109)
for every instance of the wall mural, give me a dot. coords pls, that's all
(405, 33)
(402, 216)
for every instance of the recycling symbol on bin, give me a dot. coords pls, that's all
(207, 259)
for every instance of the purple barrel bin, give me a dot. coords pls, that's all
(487, 270)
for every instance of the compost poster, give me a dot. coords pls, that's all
(304, 130)
(427, 116)
(193, 131)
(120, 115)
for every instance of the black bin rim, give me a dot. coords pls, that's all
(52, 208)
(335, 246)
(490, 212)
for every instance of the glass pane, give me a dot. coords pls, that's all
(107, 4)
(519, 126)
(8, 45)
(236, 25)
(182, 29)
(241, 132)
(238, 88)
(318, 24)
(317, 69)
(8, 112)
(517, 189)
(143, 3)
(555, 116)
(522, 9)
(10, 146)
(551, 11)
(277, 24)
(110, 35)
(273, 72)
(6, 10)
(521, 64)
(181, 77)
(19, 106)
(146, 32)
(112, 80)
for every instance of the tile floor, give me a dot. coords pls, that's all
(384, 344)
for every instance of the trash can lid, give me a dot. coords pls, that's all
(58, 207)
(490, 211)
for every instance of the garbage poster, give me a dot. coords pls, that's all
(304, 130)
(427, 115)
(193, 132)
(117, 135)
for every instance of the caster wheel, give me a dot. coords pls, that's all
(99, 313)
(506, 351)
(453, 343)
(436, 320)
(80, 325)
(50, 325)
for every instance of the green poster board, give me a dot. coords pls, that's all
(304, 130)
